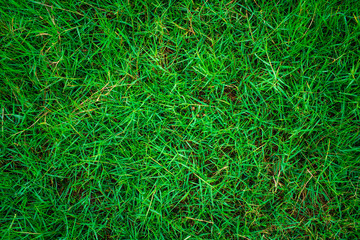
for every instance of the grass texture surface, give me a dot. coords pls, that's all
(179, 119)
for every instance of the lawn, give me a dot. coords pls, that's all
(188, 119)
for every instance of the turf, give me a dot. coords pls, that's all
(180, 119)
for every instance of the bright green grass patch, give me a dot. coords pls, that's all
(180, 119)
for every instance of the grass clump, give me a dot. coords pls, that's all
(179, 119)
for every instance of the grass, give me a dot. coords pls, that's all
(180, 119)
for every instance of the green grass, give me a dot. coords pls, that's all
(180, 119)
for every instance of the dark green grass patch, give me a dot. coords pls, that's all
(179, 119)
